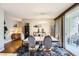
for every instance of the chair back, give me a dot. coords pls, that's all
(47, 42)
(31, 41)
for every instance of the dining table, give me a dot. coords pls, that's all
(41, 38)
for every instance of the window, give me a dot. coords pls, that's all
(71, 32)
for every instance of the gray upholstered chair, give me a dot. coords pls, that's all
(31, 42)
(47, 45)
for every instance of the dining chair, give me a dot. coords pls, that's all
(47, 45)
(31, 42)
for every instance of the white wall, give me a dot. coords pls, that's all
(45, 24)
(1, 29)
(10, 20)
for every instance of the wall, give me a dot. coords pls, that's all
(44, 23)
(10, 21)
(1, 29)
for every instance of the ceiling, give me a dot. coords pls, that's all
(35, 10)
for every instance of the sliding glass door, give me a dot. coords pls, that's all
(71, 31)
